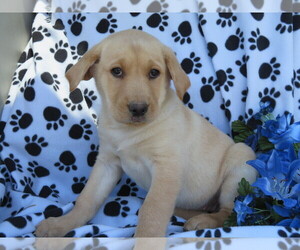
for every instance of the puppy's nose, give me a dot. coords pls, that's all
(138, 108)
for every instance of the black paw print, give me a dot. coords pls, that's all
(25, 56)
(46, 191)
(137, 27)
(92, 156)
(39, 34)
(6, 201)
(228, 6)
(78, 51)
(243, 65)
(28, 90)
(76, 24)
(158, 6)
(226, 19)
(2, 142)
(75, 100)
(269, 95)
(18, 76)
(286, 23)
(37, 57)
(20, 120)
(27, 183)
(212, 49)
(13, 164)
(49, 79)
(202, 21)
(66, 162)
(59, 25)
(108, 24)
(54, 117)
(77, 7)
(251, 121)
(225, 106)
(207, 90)
(128, 189)
(34, 145)
(89, 97)
(60, 52)
(183, 34)
(244, 95)
(81, 130)
(296, 78)
(258, 41)
(108, 8)
(225, 78)
(191, 64)
(78, 184)
(158, 20)
(201, 7)
(186, 100)
(258, 16)
(270, 69)
(116, 208)
(36, 170)
(236, 41)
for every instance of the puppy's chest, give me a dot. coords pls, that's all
(136, 166)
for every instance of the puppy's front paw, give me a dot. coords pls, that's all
(52, 227)
(202, 221)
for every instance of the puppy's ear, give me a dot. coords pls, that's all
(82, 69)
(179, 77)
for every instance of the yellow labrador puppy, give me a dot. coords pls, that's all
(179, 157)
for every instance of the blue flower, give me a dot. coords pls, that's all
(293, 222)
(242, 209)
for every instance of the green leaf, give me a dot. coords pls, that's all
(244, 187)
(297, 147)
(231, 221)
(240, 131)
(264, 144)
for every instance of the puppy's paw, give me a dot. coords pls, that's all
(202, 221)
(52, 227)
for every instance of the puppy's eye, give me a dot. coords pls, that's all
(117, 72)
(154, 73)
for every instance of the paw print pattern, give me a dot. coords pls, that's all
(78, 51)
(226, 107)
(28, 90)
(244, 95)
(186, 100)
(13, 164)
(81, 130)
(108, 24)
(201, 7)
(183, 33)
(89, 97)
(54, 118)
(51, 80)
(225, 78)
(158, 20)
(27, 183)
(36, 170)
(60, 52)
(39, 33)
(78, 184)
(202, 21)
(226, 6)
(286, 24)
(128, 189)
(212, 49)
(226, 19)
(108, 8)
(158, 6)
(37, 57)
(18, 76)
(3, 143)
(243, 65)
(6, 201)
(35, 144)
(75, 99)
(258, 41)
(77, 7)
(76, 24)
(92, 156)
(191, 64)
(207, 90)
(25, 56)
(116, 208)
(46, 191)
(236, 41)
(66, 162)
(137, 27)
(296, 78)
(20, 120)
(270, 69)
(269, 95)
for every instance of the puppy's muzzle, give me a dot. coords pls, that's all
(138, 110)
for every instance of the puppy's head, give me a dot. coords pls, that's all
(132, 70)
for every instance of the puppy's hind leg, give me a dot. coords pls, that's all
(235, 167)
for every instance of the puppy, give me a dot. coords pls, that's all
(180, 158)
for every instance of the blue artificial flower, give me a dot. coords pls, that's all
(252, 141)
(293, 222)
(280, 132)
(242, 209)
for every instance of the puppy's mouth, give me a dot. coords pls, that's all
(138, 119)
